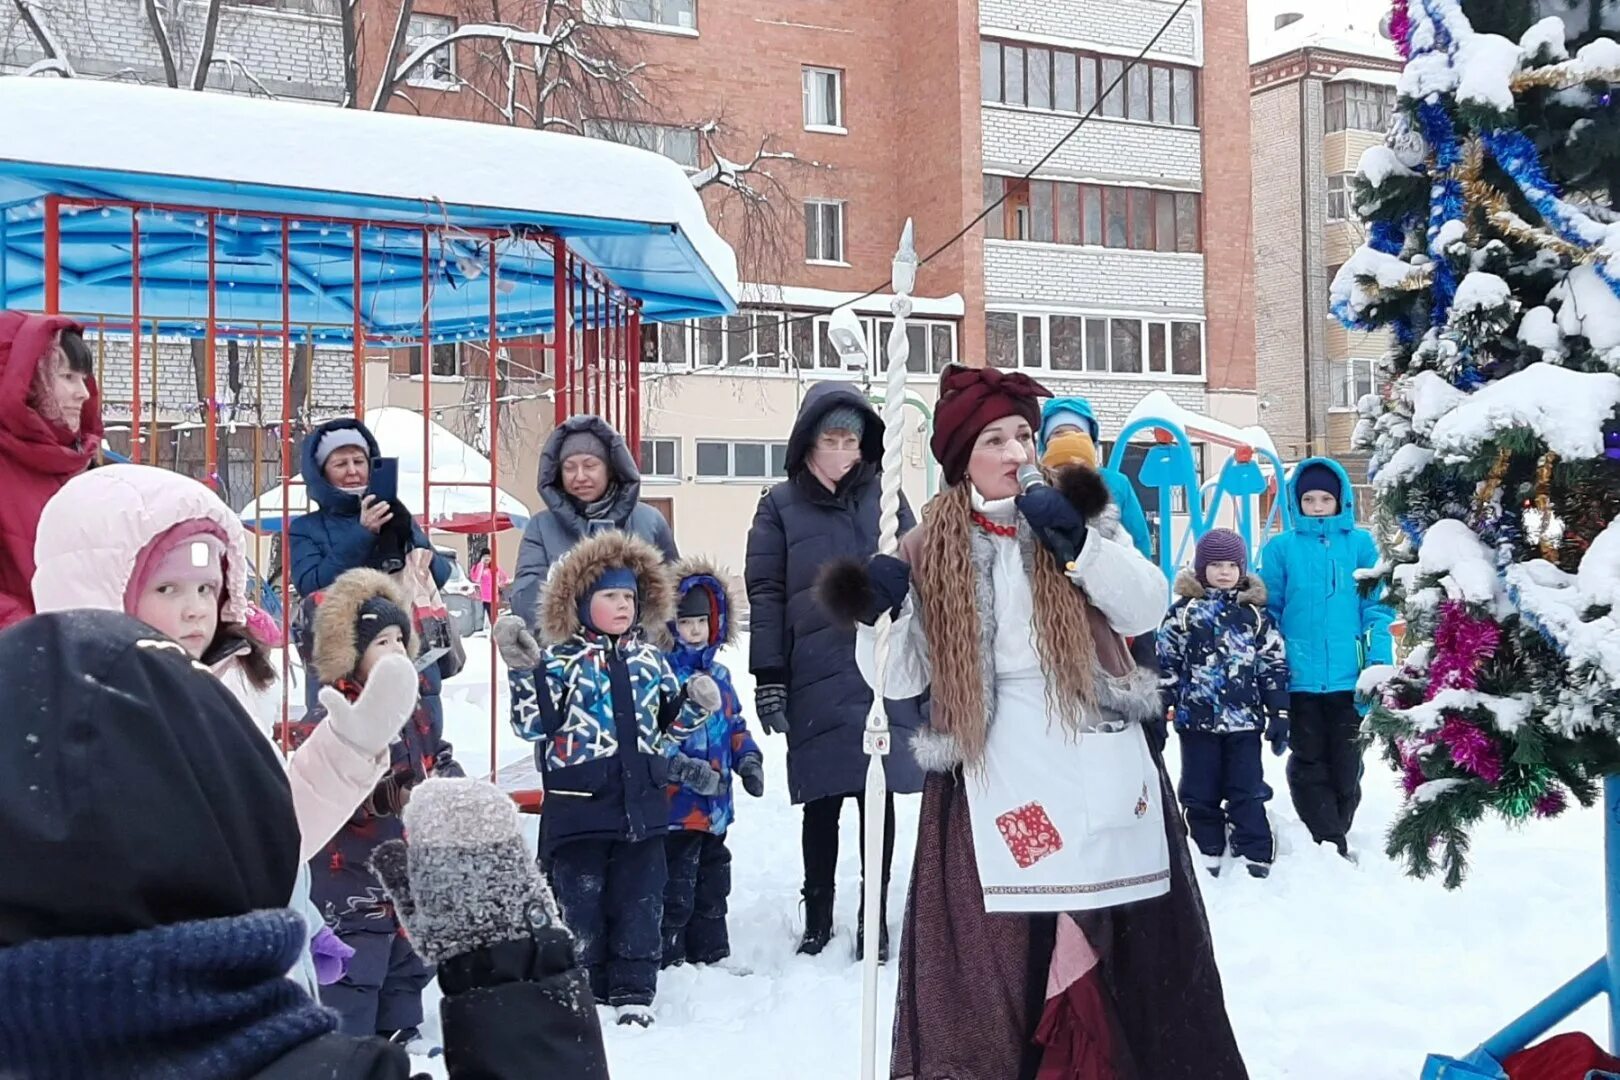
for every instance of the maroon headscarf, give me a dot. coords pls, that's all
(972, 398)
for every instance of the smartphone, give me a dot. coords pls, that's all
(384, 479)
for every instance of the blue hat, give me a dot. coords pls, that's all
(1318, 477)
(616, 577)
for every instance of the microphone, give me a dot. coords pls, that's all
(1059, 540)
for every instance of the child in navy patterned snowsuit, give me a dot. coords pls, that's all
(604, 708)
(363, 616)
(701, 808)
(1225, 673)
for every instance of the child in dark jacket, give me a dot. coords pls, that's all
(604, 708)
(361, 624)
(1225, 673)
(701, 802)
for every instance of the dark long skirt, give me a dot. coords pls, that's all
(972, 984)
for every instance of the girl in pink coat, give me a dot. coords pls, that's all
(490, 582)
(163, 548)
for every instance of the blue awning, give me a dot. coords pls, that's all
(630, 213)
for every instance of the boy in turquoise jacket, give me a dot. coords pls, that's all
(1333, 632)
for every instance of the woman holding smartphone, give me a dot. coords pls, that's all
(360, 522)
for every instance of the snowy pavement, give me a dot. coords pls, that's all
(1331, 970)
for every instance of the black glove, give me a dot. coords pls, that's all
(1277, 730)
(752, 771)
(890, 581)
(1055, 521)
(700, 776)
(770, 702)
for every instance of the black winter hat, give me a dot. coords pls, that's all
(1318, 477)
(695, 604)
(134, 790)
(376, 615)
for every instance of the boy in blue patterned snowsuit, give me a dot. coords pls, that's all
(701, 806)
(604, 707)
(1225, 673)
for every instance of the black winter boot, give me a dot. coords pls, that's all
(883, 925)
(818, 921)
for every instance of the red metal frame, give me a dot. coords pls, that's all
(595, 352)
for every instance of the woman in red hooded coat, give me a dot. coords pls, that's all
(50, 429)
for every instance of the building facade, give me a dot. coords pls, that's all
(1322, 90)
(1122, 265)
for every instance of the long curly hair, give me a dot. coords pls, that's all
(944, 579)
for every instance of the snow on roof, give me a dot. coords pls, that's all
(1159, 405)
(800, 296)
(460, 475)
(1375, 76)
(1350, 26)
(630, 212)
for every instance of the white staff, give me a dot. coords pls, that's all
(876, 740)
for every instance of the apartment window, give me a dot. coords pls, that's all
(1340, 196)
(741, 460)
(1118, 345)
(932, 342)
(774, 340)
(446, 359)
(823, 99)
(1353, 379)
(660, 459)
(1113, 87)
(1038, 77)
(676, 13)
(438, 69)
(309, 7)
(990, 70)
(823, 231)
(1069, 81)
(1141, 219)
(1358, 106)
(679, 144)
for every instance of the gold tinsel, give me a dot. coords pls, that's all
(1562, 77)
(1543, 505)
(1493, 479)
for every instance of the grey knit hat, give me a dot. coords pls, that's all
(582, 442)
(842, 418)
(337, 439)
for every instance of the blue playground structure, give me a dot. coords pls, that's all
(1170, 466)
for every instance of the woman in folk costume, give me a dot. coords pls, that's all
(1054, 929)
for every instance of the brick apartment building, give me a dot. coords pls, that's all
(1322, 84)
(1122, 267)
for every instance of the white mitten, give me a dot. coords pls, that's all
(703, 692)
(518, 647)
(372, 721)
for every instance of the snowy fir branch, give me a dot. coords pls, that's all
(1493, 259)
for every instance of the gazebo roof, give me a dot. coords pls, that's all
(630, 213)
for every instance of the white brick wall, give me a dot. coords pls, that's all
(1113, 399)
(1140, 281)
(1102, 150)
(177, 398)
(298, 56)
(1120, 25)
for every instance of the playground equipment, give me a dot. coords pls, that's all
(1170, 467)
(350, 231)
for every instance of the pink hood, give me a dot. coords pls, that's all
(95, 528)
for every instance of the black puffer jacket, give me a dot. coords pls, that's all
(799, 528)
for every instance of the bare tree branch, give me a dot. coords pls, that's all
(160, 33)
(350, 30)
(48, 67)
(386, 84)
(234, 64)
(42, 34)
(205, 52)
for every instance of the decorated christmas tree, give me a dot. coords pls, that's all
(1493, 258)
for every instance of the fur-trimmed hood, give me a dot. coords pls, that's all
(337, 619)
(1251, 590)
(697, 572)
(589, 559)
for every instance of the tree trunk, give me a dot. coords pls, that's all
(160, 33)
(205, 51)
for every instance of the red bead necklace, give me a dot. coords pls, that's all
(995, 528)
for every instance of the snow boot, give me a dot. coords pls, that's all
(1212, 863)
(1259, 869)
(635, 1016)
(883, 942)
(818, 921)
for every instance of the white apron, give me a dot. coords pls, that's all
(1061, 821)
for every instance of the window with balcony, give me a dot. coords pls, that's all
(1070, 81)
(1353, 379)
(1358, 106)
(1340, 197)
(1095, 344)
(780, 340)
(1052, 211)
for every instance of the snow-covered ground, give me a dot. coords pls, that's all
(1331, 970)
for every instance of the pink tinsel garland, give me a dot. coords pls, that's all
(1551, 804)
(1472, 749)
(1462, 643)
(1400, 28)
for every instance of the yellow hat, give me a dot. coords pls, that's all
(1070, 448)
